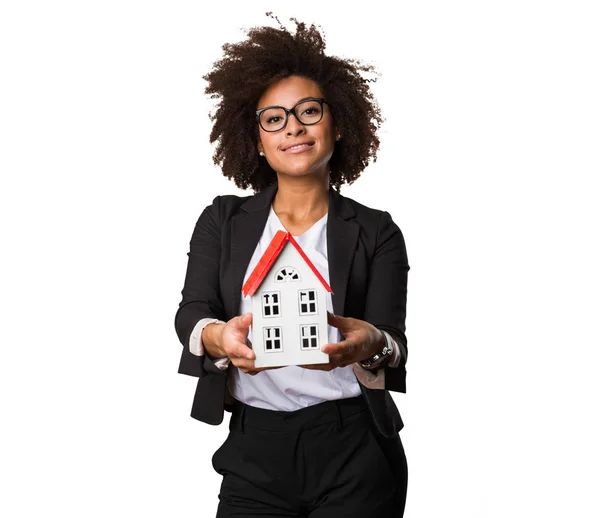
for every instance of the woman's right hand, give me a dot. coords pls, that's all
(229, 340)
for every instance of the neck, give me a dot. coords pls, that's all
(302, 198)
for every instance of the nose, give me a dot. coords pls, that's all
(293, 126)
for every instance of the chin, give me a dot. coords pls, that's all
(297, 174)
(295, 169)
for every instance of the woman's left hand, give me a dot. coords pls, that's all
(361, 341)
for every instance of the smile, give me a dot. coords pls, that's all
(298, 149)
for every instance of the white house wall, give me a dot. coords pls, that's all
(289, 319)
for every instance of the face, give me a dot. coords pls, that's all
(317, 140)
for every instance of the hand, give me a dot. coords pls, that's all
(234, 335)
(361, 341)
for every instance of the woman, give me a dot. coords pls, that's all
(313, 440)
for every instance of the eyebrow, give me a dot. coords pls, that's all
(279, 106)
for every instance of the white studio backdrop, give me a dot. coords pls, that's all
(488, 162)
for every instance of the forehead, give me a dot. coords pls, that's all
(288, 91)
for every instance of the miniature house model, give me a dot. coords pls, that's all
(289, 306)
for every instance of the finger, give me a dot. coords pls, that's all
(340, 360)
(260, 369)
(244, 321)
(343, 347)
(345, 361)
(243, 364)
(241, 351)
(254, 371)
(318, 367)
(334, 364)
(248, 366)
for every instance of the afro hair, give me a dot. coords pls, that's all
(268, 54)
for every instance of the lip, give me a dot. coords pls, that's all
(306, 143)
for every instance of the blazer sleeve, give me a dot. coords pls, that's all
(201, 293)
(385, 306)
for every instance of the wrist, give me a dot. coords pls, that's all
(212, 339)
(382, 355)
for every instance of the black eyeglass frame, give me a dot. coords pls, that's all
(320, 100)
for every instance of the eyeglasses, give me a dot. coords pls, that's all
(307, 112)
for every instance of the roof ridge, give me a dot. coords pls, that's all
(269, 257)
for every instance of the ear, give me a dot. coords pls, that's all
(260, 147)
(337, 133)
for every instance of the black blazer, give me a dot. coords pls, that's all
(368, 270)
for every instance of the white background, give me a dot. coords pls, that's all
(488, 163)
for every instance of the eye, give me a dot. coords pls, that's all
(273, 120)
(309, 111)
(312, 110)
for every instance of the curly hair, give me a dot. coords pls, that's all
(269, 54)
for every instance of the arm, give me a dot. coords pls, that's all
(210, 342)
(197, 346)
(200, 294)
(385, 305)
(383, 316)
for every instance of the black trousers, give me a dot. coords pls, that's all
(323, 461)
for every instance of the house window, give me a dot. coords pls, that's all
(272, 339)
(309, 336)
(271, 304)
(308, 302)
(287, 273)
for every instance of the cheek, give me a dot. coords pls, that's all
(268, 141)
(329, 137)
(329, 133)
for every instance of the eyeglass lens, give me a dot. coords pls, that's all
(307, 112)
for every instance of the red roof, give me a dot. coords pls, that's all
(270, 256)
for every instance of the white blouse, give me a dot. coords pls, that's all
(291, 388)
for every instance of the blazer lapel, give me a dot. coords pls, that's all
(342, 237)
(246, 228)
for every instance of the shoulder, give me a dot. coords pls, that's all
(378, 230)
(369, 218)
(362, 210)
(224, 206)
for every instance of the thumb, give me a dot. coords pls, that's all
(245, 320)
(335, 320)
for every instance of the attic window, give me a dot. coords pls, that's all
(272, 339)
(287, 273)
(307, 300)
(309, 336)
(270, 304)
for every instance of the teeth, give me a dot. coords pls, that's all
(299, 145)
